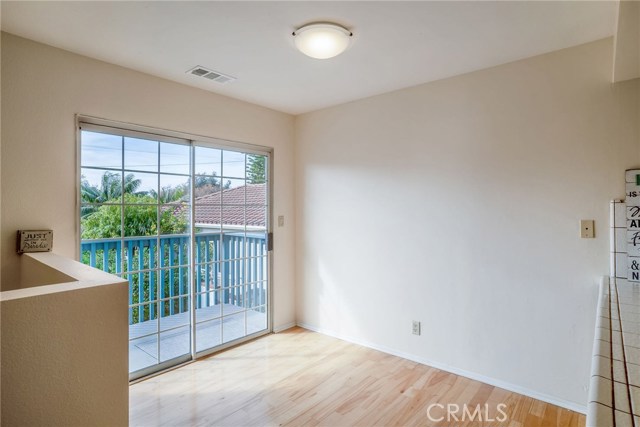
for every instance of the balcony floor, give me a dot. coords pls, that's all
(215, 325)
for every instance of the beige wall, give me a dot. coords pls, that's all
(44, 87)
(457, 203)
(626, 63)
(64, 352)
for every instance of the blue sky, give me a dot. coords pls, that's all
(105, 151)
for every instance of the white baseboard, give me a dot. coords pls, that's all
(280, 328)
(573, 406)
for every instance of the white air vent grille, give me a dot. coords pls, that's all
(211, 75)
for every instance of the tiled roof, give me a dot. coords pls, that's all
(249, 200)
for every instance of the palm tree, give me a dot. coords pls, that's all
(170, 194)
(110, 189)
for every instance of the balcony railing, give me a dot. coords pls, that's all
(230, 268)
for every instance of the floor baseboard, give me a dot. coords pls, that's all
(282, 328)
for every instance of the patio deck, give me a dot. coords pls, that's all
(215, 325)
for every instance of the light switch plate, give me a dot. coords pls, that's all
(281, 221)
(587, 230)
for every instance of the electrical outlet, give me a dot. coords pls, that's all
(416, 327)
(281, 221)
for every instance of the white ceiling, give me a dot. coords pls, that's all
(395, 44)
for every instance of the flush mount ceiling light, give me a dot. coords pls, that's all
(322, 40)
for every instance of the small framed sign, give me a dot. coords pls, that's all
(35, 241)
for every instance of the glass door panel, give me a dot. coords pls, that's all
(207, 235)
(231, 246)
(136, 204)
(186, 225)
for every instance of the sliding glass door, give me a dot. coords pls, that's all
(186, 224)
(230, 224)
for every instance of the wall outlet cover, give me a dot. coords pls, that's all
(587, 230)
(416, 328)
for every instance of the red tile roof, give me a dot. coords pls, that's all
(249, 200)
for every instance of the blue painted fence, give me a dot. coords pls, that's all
(231, 268)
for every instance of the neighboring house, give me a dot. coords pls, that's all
(233, 207)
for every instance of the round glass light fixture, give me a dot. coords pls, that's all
(322, 40)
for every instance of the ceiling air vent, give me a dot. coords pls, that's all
(211, 75)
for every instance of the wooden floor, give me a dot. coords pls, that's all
(299, 377)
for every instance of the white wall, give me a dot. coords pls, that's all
(44, 87)
(457, 203)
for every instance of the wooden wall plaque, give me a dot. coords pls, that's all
(35, 241)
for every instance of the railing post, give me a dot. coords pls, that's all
(180, 280)
(140, 280)
(225, 270)
(207, 267)
(216, 268)
(198, 287)
(171, 293)
(259, 251)
(152, 289)
(240, 279)
(254, 269)
(130, 300)
(129, 268)
(92, 255)
(105, 256)
(234, 269)
(118, 257)
(161, 277)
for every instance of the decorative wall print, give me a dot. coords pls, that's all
(632, 179)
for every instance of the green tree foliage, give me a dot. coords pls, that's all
(140, 219)
(256, 169)
(110, 189)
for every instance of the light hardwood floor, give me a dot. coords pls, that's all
(299, 377)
